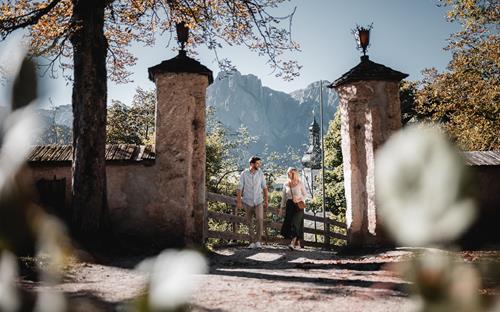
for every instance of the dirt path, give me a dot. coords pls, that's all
(276, 279)
(268, 279)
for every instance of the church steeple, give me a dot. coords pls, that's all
(312, 157)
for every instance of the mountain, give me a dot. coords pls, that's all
(57, 123)
(279, 119)
(59, 115)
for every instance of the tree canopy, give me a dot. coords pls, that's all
(465, 98)
(213, 23)
(134, 124)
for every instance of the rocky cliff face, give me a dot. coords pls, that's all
(279, 119)
(60, 115)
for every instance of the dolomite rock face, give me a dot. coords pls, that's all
(280, 120)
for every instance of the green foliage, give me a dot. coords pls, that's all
(334, 175)
(225, 151)
(120, 128)
(143, 114)
(407, 95)
(132, 124)
(464, 99)
(274, 199)
(276, 164)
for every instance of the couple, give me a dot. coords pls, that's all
(251, 188)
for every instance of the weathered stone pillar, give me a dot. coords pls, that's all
(370, 112)
(181, 84)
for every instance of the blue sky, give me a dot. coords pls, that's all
(408, 35)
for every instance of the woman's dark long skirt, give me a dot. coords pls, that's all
(293, 225)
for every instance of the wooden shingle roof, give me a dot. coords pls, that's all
(136, 153)
(482, 158)
(114, 152)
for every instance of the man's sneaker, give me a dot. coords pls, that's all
(258, 245)
(291, 247)
(251, 246)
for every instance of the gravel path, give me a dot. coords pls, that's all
(276, 279)
(269, 279)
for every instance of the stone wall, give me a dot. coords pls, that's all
(132, 195)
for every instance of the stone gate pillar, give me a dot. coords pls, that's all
(181, 83)
(370, 112)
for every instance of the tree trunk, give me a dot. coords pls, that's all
(89, 202)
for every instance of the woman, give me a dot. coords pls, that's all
(293, 192)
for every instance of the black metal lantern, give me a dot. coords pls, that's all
(182, 34)
(362, 35)
(364, 38)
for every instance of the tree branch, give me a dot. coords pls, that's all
(11, 24)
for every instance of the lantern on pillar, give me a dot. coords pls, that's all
(362, 35)
(182, 34)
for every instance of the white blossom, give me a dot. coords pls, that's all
(445, 282)
(50, 301)
(419, 177)
(19, 129)
(9, 297)
(52, 240)
(171, 280)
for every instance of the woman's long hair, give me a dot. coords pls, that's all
(295, 179)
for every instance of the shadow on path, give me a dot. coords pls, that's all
(398, 287)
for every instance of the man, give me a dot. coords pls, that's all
(250, 189)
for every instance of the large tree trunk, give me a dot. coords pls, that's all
(89, 202)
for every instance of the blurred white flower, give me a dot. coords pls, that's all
(171, 279)
(50, 301)
(9, 299)
(12, 55)
(19, 129)
(496, 306)
(465, 286)
(444, 282)
(53, 241)
(419, 177)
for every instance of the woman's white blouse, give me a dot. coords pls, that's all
(299, 193)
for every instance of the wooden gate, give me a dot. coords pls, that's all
(232, 226)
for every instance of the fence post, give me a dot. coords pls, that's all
(234, 224)
(205, 219)
(326, 228)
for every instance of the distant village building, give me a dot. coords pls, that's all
(311, 161)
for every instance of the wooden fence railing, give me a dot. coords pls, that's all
(236, 220)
